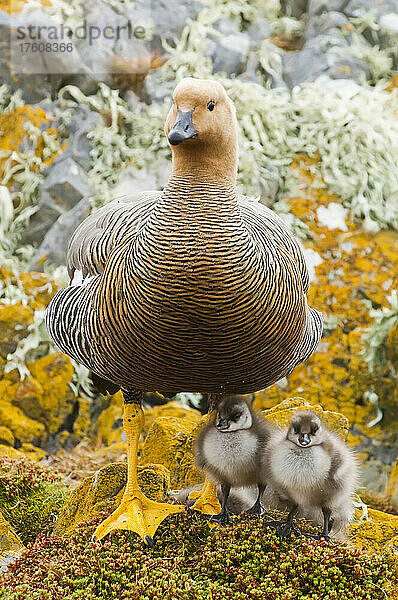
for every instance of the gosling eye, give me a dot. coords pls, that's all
(235, 416)
(211, 105)
(314, 429)
(296, 430)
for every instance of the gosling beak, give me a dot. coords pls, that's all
(223, 424)
(183, 128)
(304, 439)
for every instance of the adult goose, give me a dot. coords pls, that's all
(193, 288)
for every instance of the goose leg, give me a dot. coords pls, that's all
(136, 512)
(284, 528)
(327, 526)
(206, 498)
(223, 516)
(257, 510)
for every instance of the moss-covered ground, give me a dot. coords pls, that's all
(239, 561)
(30, 496)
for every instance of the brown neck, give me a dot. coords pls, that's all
(205, 163)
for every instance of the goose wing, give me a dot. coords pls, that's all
(71, 318)
(99, 233)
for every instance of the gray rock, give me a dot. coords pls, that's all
(317, 7)
(156, 88)
(322, 56)
(169, 17)
(65, 185)
(258, 31)
(84, 120)
(55, 243)
(231, 53)
(329, 22)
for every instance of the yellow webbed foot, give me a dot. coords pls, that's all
(139, 514)
(206, 499)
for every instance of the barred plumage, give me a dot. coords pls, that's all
(193, 288)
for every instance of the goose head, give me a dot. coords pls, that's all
(201, 129)
(306, 430)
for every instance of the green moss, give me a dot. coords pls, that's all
(239, 561)
(30, 496)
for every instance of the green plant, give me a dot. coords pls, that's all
(30, 496)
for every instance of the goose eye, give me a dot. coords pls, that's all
(211, 105)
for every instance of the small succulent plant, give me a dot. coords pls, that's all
(190, 562)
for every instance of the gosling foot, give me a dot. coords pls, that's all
(223, 518)
(257, 510)
(139, 514)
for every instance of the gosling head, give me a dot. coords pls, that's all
(305, 430)
(201, 128)
(233, 416)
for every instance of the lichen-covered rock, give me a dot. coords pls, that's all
(392, 346)
(105, 490)
(14, 322)
(170, 442)
(6, 436)
(376, 533)
(281, 414)
(10, 544)
(53, 373)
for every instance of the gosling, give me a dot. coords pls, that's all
(312, 470)
(230, 450)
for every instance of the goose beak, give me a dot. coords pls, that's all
(304, 439)
(223, 424)
(183, 128)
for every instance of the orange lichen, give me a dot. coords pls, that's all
(12, 127)
(376, 533)
(14, 322)
(23, 428)
(40, 287)
(41, 144)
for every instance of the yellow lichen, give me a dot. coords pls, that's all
(40, 287)
(14, 322)
(6, 436)
(105, 490)
(53, 373)
(12, 127)
(376, 533)
(23, 428)
(13, 7)
(82, 422)
(280, 415)
(170, 442)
